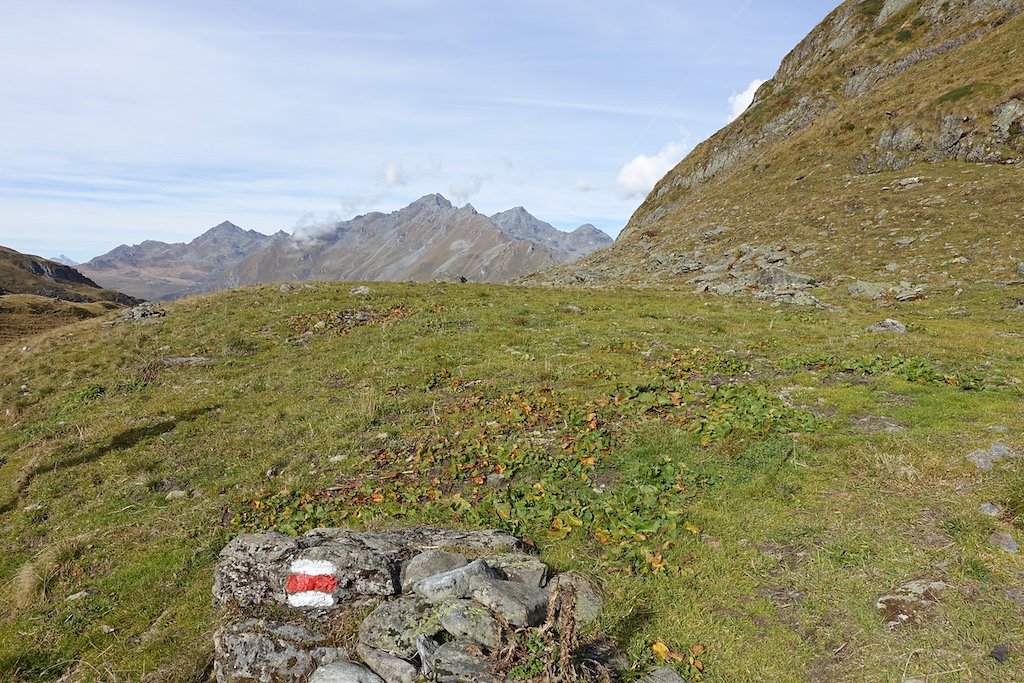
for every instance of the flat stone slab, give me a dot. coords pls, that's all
(888, 325)
(518, 604)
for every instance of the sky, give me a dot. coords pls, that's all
(127, 121)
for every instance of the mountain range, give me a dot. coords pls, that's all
(427, 240)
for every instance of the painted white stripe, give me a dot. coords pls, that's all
(312, 567)
(311, 599)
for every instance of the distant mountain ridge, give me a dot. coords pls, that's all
(158, 270)
(427, 240)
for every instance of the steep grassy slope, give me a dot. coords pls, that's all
(741, 479)
(824, 166)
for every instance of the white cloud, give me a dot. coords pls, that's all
(393, 175)
(738, 102)
(639, 176)
(465, 189)
(583, 185)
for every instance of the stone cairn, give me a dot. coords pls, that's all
(447, 606)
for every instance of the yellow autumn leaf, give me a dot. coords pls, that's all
(692, 528)
(661, 651)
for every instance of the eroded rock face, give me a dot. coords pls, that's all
(436, 614)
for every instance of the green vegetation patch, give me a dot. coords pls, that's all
(705, 459)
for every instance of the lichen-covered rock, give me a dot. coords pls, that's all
(454, 584)
(430, 563)
(251, 569)
(260, 651)
(395, 625)
(467, 620)
(516, 603)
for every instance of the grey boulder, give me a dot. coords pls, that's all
(430, 563)
(344, 672)
(395, 625)
(467, 620)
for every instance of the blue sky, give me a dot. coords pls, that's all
(125, 121)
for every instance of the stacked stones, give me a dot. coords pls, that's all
(440, 617)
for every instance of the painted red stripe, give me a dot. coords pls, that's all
(299, 583)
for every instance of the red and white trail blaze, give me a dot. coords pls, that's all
(311, 583)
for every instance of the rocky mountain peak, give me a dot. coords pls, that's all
(431, 201)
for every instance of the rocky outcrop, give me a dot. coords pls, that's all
(435, 613)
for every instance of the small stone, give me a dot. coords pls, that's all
(285, 288)
(998, 429)
(321, 325)
(888, 325)
(985, 459)
(176, 494)
(910, 603)
(906, 182)
(78, 596)
(386, 665)
(107, 628)
(662, 675)
(518, 604)
(430, 563)
(913, 680)
(362, 290)
(344, 672)
(990, 510)
(1000, 653)
(1003, 540)
(453, 584)
(466, 620)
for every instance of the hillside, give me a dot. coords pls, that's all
(884, 155)
(564, 247)
(741, 480)
(37, 294)
(155, 270)
(426, 240)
